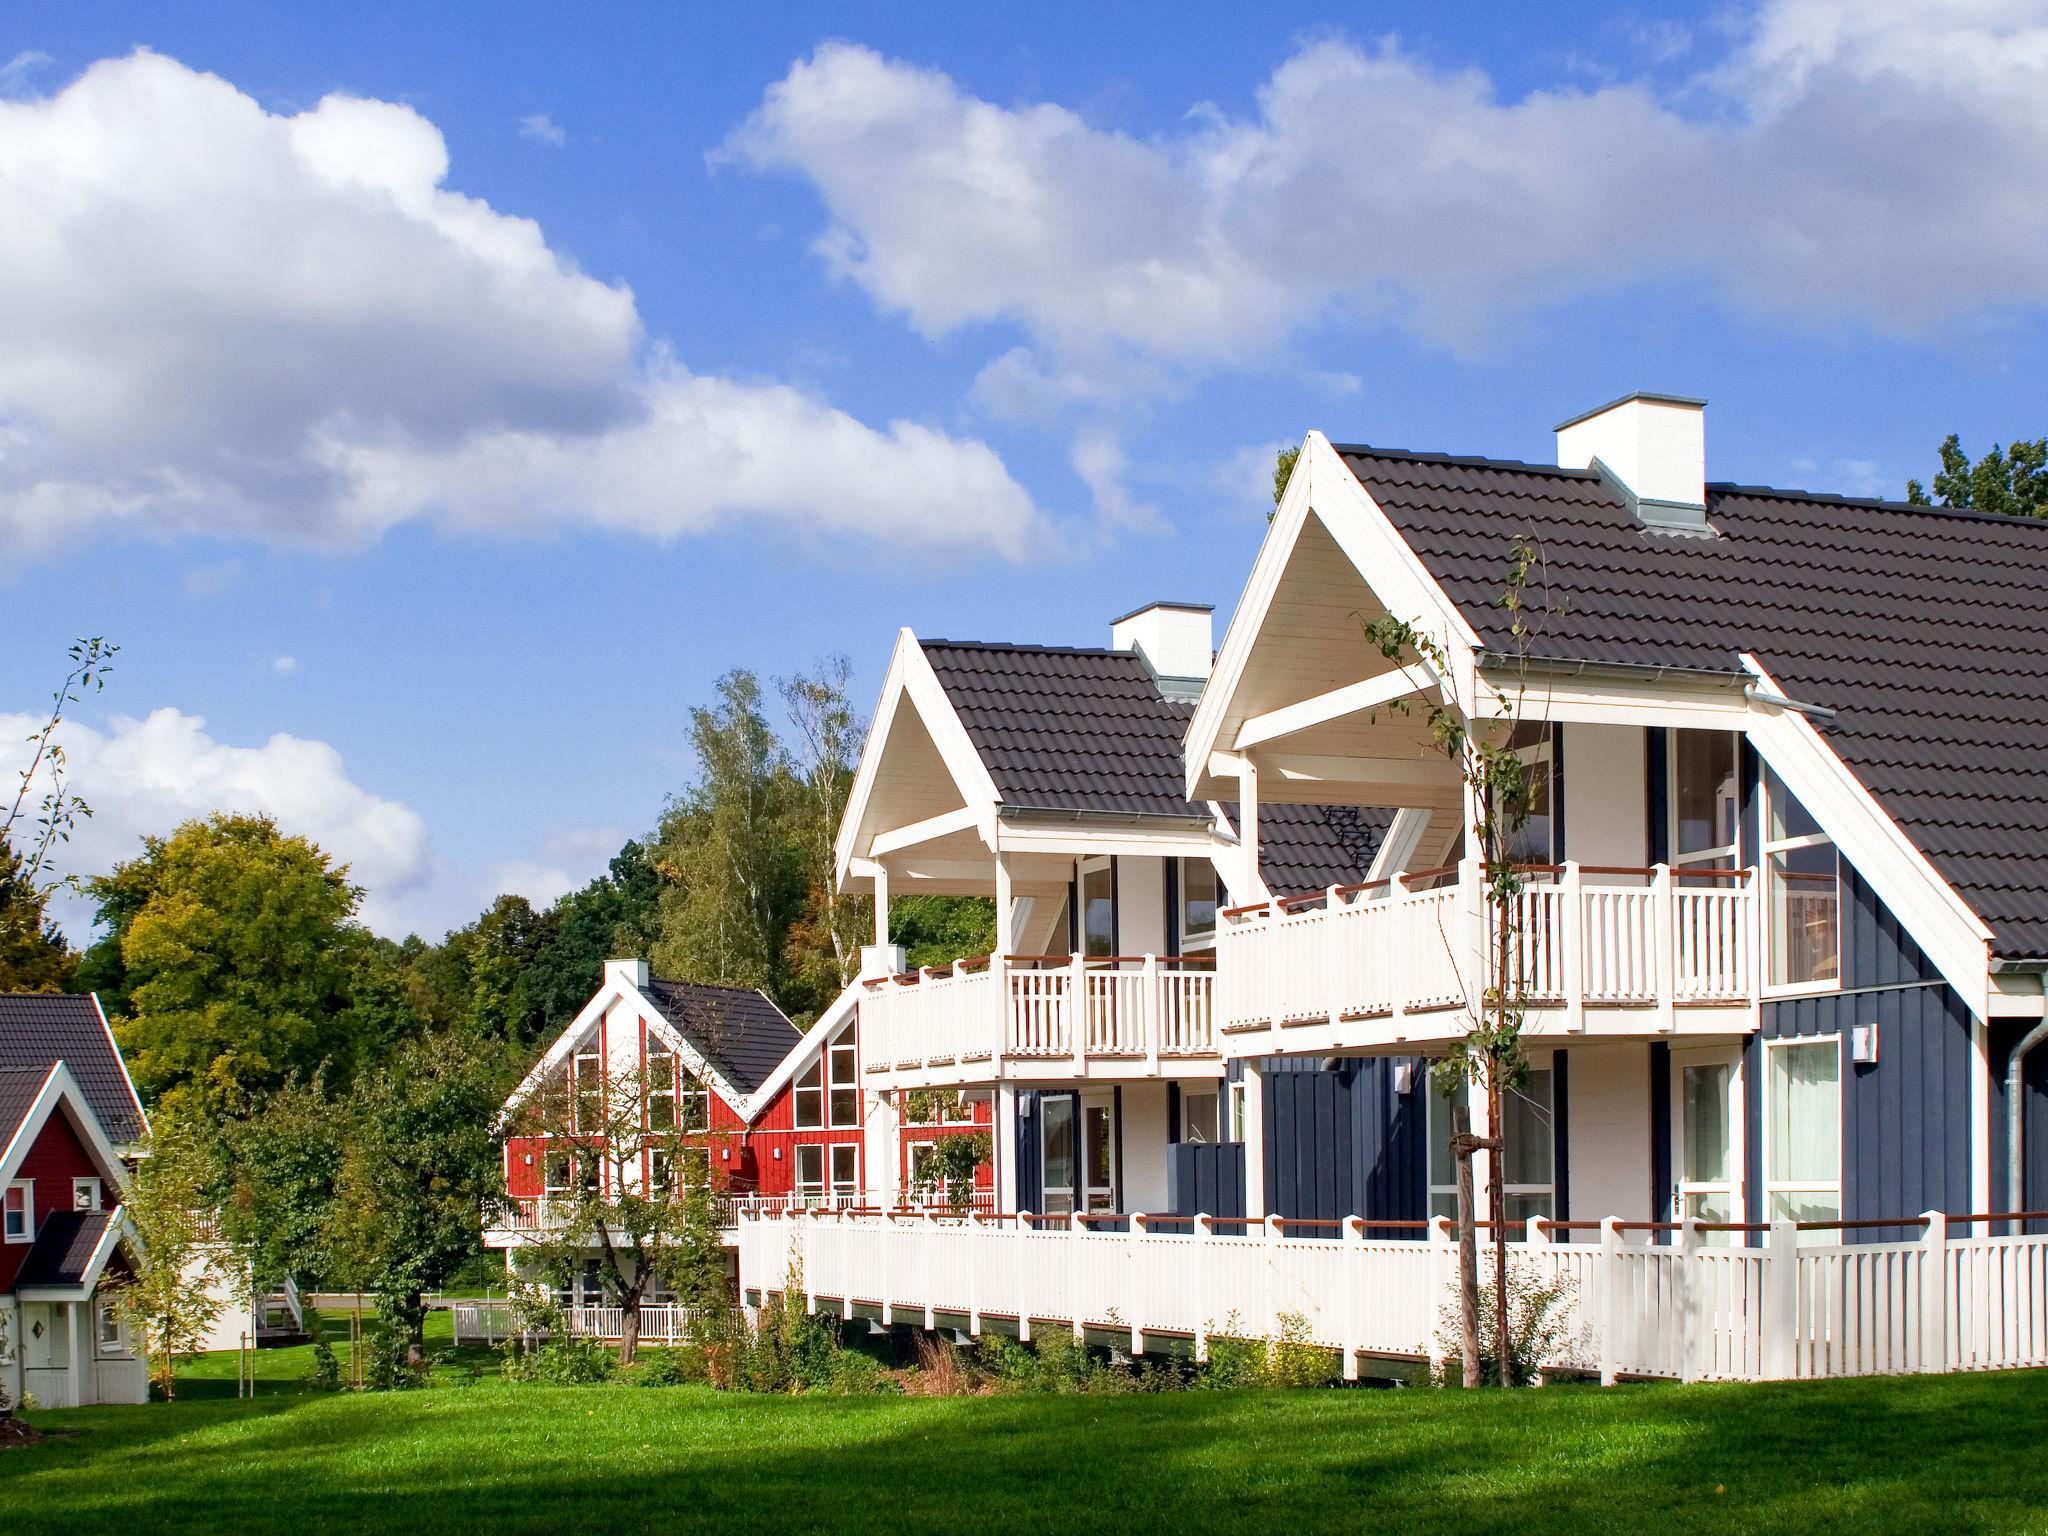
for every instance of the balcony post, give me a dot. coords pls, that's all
(1780, 1344)
(1152, 1013)
(1688, 1293)
(1610, 1300)
(1353, 1292)
(1471, 957)
(1205, 1229)
(1574, 914)
(1334, 935)
(1663, 945)
(1933, 1351)
(1077, 1012)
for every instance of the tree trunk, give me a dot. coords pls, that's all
(629, 1328)
(1468, 1250)
(415, 1330)
(1497, 1211)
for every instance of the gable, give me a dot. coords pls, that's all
(40, 1029)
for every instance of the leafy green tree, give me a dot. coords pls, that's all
(275, 1177)
(2013, 480)
(937, 930)
(724, 846)
(822, 950)
(237, 947)
(611, 917)
(1283, 471)
(420, 1165)
(181, 1268)
(33, 954)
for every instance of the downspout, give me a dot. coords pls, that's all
(2015, 1118)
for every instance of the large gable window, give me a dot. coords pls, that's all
(842, 1069)
(1705, 799)
(1802, 893)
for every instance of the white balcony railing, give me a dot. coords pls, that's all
(1041, 1016)
(537, 1214)
(1582, 939)
(1645, 1300)
(492, 1322)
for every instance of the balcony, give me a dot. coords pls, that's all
(524, 1217)
(1595, 950)
(1041, 1018)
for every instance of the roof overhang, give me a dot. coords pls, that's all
(823, 1028)
(60, 1092)
(120, 1230)
(912, 684)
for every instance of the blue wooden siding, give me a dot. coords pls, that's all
(1205, 1177)
(1030, 1170)
(1344, 1142)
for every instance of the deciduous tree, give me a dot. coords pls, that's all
(2013, 480)
(183, 1267)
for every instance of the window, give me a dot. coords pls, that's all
(843, 1073)
(1531, 843)
(1098, 1154)
(1802, 895)
(1529, 1183)
(109, 1330)
(810, 1175)
(85, 1194)
(1706, 799)
(18, 1214)
(1057, 1153)
(661, 1086)
(661, 1171)
(846, 1174)
(1098, 910)
(810, 1097)
(1237, 1112)
(1198, 901)
(589, 1091)
(1706, 1192)
(554, 1173)
(695, 1099)
(1198, 1116)
(1803, 1127)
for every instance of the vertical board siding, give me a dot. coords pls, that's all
(1660, 1129)
(1344, 1142)
(1657, 774)
(1205, 1177)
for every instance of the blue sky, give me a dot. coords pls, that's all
(440, 522)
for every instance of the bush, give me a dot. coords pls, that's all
(542, 1348)
(1540, 1324)
(325, 1373)
(1292, 1361)
(668, 1368)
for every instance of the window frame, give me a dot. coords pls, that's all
(91, 1188)
(1215, 1116)
(105, 1314)
(1771, 1186)
(1720, 856)
(1194, 940)
(844, 1044)
(578, 1092)
(845, 1187)
(809, 1192)
(1511, 1189)
(26, 1188)
(1101, 867)
(1540, 754)
(809, 1082)
(1767, 847)
(662, 1098)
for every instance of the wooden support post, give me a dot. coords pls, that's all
(881, 904)
(1933, 1350)
(1205, 1230)
(1688, 1291)
(1664, 946)
(1077, 1271)
(1610, 1300)
(1152, 1014)
(1353, 1293)
(928, 1239)
(1134, 1293)
(1572, 899)
(1781, 1302)
(1077, 1013)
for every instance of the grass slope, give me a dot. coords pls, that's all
(1952, 1453)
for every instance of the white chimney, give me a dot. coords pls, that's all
(1173, 640)
(1654, 446)
(632, 972)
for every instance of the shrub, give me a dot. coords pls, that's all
(325, 1373)
(1541, 1314)
(542, 1348)
(668, 1368)
(1292, 1361)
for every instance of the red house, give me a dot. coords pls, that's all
(67, 1113)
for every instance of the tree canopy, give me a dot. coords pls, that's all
(2013, 480)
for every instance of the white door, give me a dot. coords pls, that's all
(1706, 1087)
(46, 1354)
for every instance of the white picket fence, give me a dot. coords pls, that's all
(491, 1322)
(1686, 1310)
(1582, 938)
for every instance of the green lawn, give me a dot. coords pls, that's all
(1954, 1453)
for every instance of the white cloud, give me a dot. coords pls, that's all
(16, 72)
(284, 666)
(144, 776)
(542, 129)
(288, 327)
(1099, 460)
(1874, 165)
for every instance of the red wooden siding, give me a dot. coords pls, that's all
(56, 1157)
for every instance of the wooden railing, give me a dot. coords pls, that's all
(1644, 1300)
(538, 1214)
(1580, 937)
(1050, 1013)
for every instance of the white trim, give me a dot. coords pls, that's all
(61, 1088)
(121, 1061)
(929, 830)
(1941, 922)
(1765, 1184)
(910, 675)
(1397, 849)
(1323, 482)
(822, 1029)
(1351, 699)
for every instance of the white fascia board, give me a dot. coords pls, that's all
(1351, 699)
(931, 829)
(60, 1090)
(1945, 926)
(822, 1029)
(911, 677)
(1323, 483)
(1651, 700)
(115, 1046)
(1132, 839)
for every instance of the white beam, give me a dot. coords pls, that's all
(1378, 772)
(966, 819)
(1351, 699)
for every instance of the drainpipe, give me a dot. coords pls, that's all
(2015, 1117)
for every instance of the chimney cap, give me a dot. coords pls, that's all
(1176, 607)
(1649, 395)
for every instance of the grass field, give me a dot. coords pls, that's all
(1950, 1453)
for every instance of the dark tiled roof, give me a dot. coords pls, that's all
(63, 1249)
(1307, 847)
(18, 1089)
(1925, 629)
(39, 1028)
(1067, 729)
(738, 1031)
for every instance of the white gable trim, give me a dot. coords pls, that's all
(826, 1025)
(911, 676)
(121, 1061)
(60, 1089)
(1942, 923)
(1323, 483)
(613, 991)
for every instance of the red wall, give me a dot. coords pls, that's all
(54, 1160)
(743, 1159)
(911, 1135)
